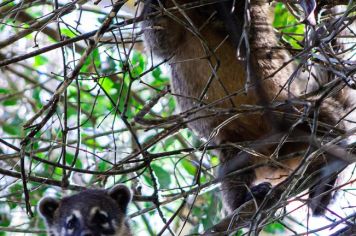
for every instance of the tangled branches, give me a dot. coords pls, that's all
(84, 105)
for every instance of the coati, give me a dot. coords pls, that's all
(200, 40)
(92, 212)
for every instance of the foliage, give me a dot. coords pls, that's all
(93, 129)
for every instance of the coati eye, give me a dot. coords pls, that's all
(71, 223)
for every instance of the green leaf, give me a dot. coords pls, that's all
(159, 81)
(40, 60)
(58, 171)
(16, 196)
(103, 166)
(5, 217)
(36, 95)
(189, 167)
(156, 73)
(138, 63)
(106, 83)
(10, 102)
(214, 161)
(93, 58)
(68, 33)
(4, 91)
(70, 160)
(286, 23)
(274, 228)
(11, 129)
(163, 177)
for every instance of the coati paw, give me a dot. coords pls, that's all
(258, 192)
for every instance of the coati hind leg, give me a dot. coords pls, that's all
(320, 193)
(234, 187)
(237, 188)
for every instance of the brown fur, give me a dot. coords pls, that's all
(196, 47)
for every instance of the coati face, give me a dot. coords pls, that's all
(88, 213)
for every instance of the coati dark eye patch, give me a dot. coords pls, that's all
(72, 222)
(99, 217)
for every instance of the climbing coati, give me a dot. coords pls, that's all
(89, 213)
(238, 85)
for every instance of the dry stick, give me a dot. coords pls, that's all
(347, 230)
(38, 25)
(341, 232)
(46, 49)
(40, 180)
(63, 86)
(147, 145)
(65, 42)
(197, 189)
(89, 34)
(51, 105)
(65, 128)
(25, 231)
(139, 118)
(172, 218)
(106, 173)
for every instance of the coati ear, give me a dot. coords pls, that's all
(122, 195)
(46, 207)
